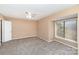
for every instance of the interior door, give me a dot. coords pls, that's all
(7, 31)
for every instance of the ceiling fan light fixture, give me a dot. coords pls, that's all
(28, 15)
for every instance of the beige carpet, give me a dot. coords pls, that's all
(35, 46)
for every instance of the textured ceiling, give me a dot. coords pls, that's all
(39, 10)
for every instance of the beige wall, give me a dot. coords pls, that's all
(23, 28)
(43, 29)
(46, 24)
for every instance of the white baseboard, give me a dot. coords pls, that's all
(43, 39)
(24, 37)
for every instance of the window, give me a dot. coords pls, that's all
(66, 29)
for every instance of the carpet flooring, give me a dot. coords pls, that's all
(35, 46)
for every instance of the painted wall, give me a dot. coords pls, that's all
(43, 29)
(46, 24)
(23, 28)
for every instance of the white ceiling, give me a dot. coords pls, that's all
(40, 10)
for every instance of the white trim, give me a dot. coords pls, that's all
(23, 37)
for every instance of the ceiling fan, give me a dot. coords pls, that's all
(29, 15)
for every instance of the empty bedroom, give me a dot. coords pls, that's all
(39, 29)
